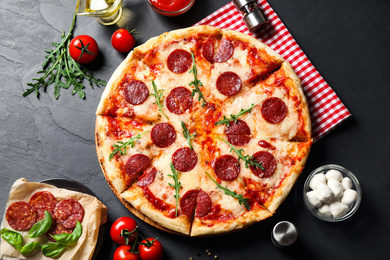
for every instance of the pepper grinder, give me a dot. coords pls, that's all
(284, 234)
(253, 16)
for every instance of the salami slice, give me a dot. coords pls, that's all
(188, 202)
(179, 100)
(163, 135)
(147, 178)
(267, 160)
(274, 110)
(227, 167)
(204, 204)
(229, 83)
(208, 50)
(179, 61)
(43, 201)
(137, 164)
(238, 133)
(224, 52)
(135, 92)
(57, 229)
(184, 159)
(21, 215)
(68, 212)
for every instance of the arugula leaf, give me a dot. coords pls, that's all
(67, 239)
(41, 226)
(14, 238)
(234, 194)
(187, 135)
(30, 247)
(63, 70)
(246, 158)
(53, 249)
(177, 185)
(121, 146)
(157, 94)
(234, 118)
(196, 83)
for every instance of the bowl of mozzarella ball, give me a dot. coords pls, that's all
(332, 193)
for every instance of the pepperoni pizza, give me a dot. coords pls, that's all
(203, 131)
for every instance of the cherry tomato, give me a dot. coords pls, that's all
(83, 49)
(123, 252)
(124, 228)
(122, 40)
(151, 249)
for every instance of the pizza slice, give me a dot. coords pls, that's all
(274, 108)
(281, 163)
(167, 191)
(223, 204)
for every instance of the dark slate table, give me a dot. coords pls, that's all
(347, 41)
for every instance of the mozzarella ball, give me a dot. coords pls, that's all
(325, 209)
(349, 197)
(347, 183)
(336, 188)
(312, 197)
(324, 193)
(334, 174)
(317, 179)
(338, 209)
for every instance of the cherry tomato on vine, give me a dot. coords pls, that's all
(123, 252)
(83, 49)
(122, 40)
(124, 230)
(151, 249)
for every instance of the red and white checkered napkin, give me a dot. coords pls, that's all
(326, 109)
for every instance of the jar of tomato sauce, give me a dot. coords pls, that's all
(171, 7)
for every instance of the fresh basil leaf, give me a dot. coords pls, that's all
(14, 238)
(41, 226)
(53, 249)
(67, 239)
(28, 248)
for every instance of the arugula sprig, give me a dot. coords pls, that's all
(246, 158)
(157, 94)
(234, 194)
(196, 83)
(176, 186)
(59, 68)
(121, 146)
(234, 118)
(187, 135)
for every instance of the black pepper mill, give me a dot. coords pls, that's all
(253, 16)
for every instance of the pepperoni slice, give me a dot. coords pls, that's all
(227, 167)
(208, 50)
(43, 201)
(267, 160)
(229, 83)
(179, 100)
(137, 164)
(188, 202)
(147, 178)
(179, 61)
(57, 229)
(203, 204)
(238, 133)
(21, 215)
(68, 212)
(274, 110)
(184, 159)
(224, 51)
(135, 92)
(163, 135)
